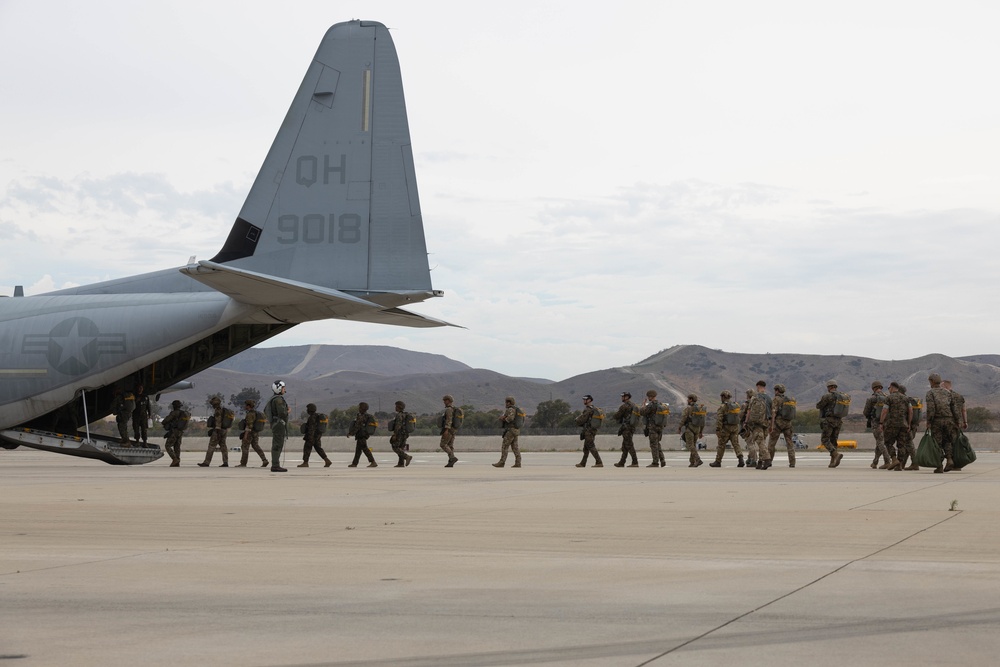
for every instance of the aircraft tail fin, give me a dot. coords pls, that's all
(335, 203)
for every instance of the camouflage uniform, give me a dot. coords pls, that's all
(690, 430)
(942, 420)
(624, 418)
(757, 426)
(140, 415)
(510, 434)
(829, 424)
(781, 426)
(895, 422)
(250, 438)
(122, 406)
(397, 426)
(216, 436)
(727, 433)
(172, 444)
(359, 430)
(872, 412)
(276, 412)
(752, 453)
(448, 431)
(588, 431)
(312, 438)
(654, 432)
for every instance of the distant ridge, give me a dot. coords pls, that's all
(343, 375)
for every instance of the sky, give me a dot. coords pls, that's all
(598, 181)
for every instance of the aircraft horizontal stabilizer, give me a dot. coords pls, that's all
(295, 301)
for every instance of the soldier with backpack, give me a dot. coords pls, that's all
(692, 428)
(832, 410)
(512, 420)
(782, 413)
(451, 420)
(174, 424)
(401, 425)
(627, 417)
(727, 429)
(253, 423)
(655, 416)
(218, 426)
(140, 414)
(872, 413)
(276, 412)
(362, 428)
(758, 422)
(590, 420)
(943, 420)
(895, 422)
(313, 430)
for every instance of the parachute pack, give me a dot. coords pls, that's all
(596, 418)
(180, 423)
(697, 419)
(917, 408)
(259, 422)
(634, 417)
(787, 409)
(660, 413)
(518, 417)
(842, 404)
(370, 425)
(732, 413)
(228, 417)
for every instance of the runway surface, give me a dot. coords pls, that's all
(544, 565)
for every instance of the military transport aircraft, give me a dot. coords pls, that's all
(331, 229)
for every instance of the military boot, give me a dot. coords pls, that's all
(949, 464)
(327, 462)
(833, 460)
(894, 465)
(885, 465)
(791, 459)
(304, 464)
(517, 461)
(836, 459)
(741, 463)
(717, 463)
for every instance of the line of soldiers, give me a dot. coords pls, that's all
(760, 420)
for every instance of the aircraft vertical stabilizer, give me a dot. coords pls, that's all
(335, 203)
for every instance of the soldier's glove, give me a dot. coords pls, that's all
(645, 431)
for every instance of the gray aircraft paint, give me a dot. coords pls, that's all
(330, 229)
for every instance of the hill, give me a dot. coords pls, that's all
(339, 376)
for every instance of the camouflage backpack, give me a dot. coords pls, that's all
(757, 410)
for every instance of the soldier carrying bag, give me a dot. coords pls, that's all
(929, 454)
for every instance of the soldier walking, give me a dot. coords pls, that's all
(626, 416)
(174, 424)
(399, 426)
(449, 427)
(122, 406)
(313, 434)
(752, 454)
(872, 413)
(250, 436)
(727, 430)
(654, 416)
(588, 431)
(758, 422)
(942, 420)
(782, 414)
(691, 428)
(217, 431)
(894, 419)
(361, 429)
(512, 419)
(831, 421)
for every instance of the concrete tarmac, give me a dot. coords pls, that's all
(544, 565)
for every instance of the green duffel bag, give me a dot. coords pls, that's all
(964, 454)
(929, 454)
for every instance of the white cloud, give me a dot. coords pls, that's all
(598, 182)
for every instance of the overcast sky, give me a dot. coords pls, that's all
(598, 180)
